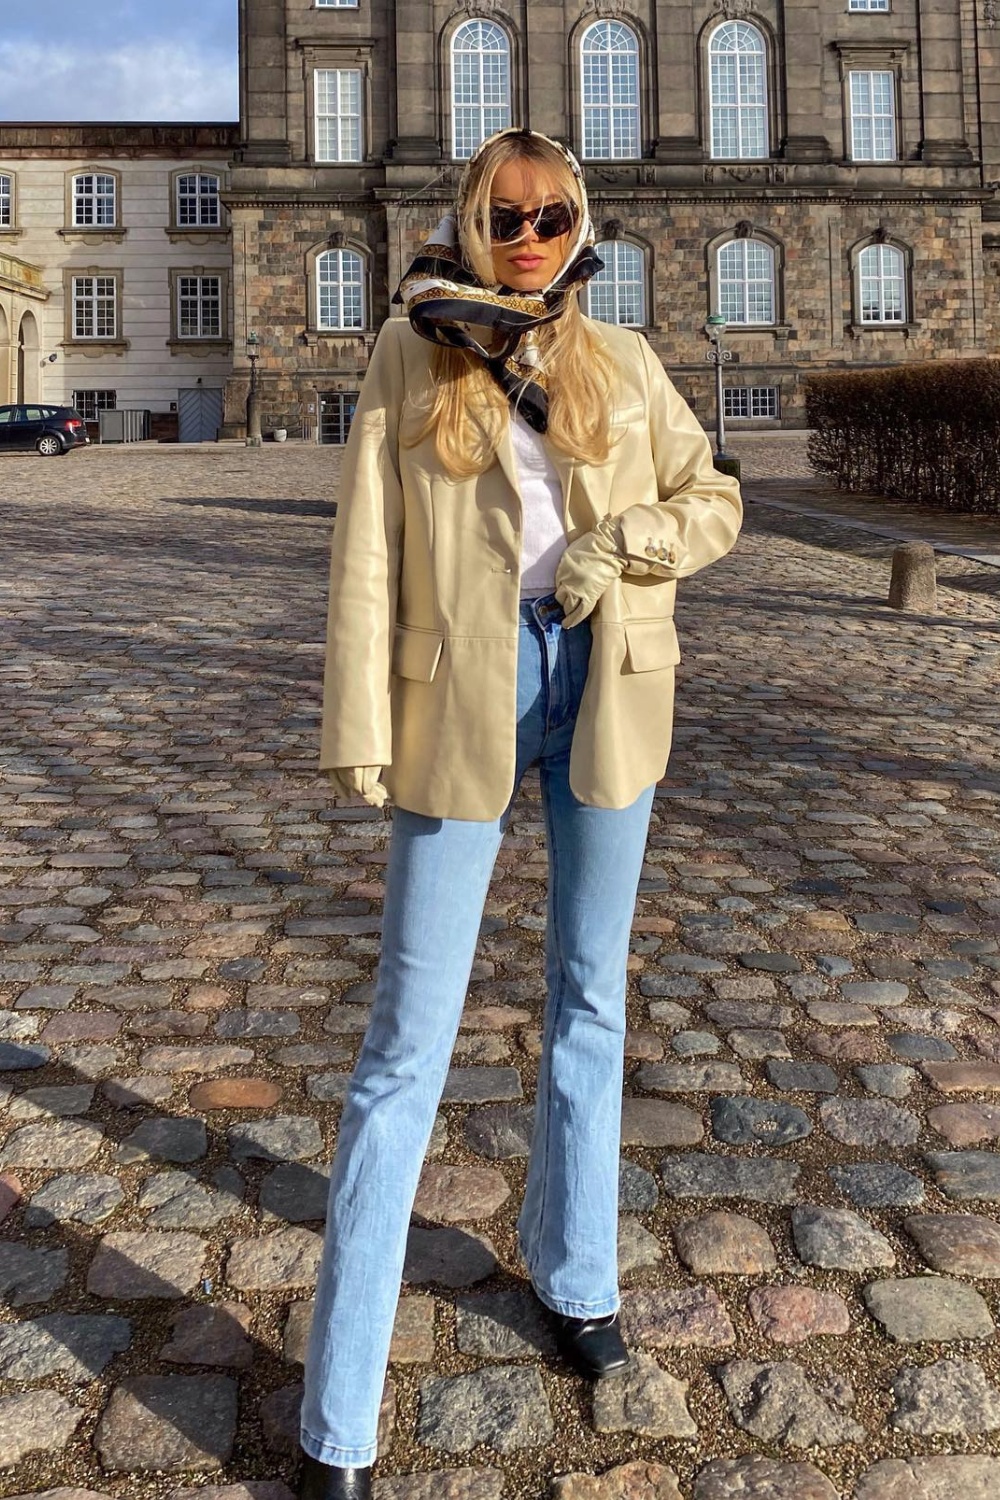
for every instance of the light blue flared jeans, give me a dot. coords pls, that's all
(436, 886)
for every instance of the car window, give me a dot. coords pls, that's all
(32, 413)
(6, 414)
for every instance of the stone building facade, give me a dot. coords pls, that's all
(116, 270)
(821, 172)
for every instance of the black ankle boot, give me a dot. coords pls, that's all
(323, 1482)
(593, 1346)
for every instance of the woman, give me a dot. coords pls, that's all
(521, 490)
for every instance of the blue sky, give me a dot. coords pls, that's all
(118, 60)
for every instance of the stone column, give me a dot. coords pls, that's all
(678, 129)
(801, 40)
(549, 95)
(263, 82)
(942, 83)
(417, 74)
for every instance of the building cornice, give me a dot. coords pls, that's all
(118, 137)
(967, 198)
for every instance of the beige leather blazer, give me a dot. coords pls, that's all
(421, 661)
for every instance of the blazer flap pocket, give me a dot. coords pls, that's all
(416, 653)
(651, 644)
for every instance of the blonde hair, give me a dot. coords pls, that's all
(468, 410)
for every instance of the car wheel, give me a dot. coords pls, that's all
(48, 446)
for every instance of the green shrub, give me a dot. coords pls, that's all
(929, 433)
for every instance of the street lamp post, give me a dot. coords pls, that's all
(254, 438)
(716, 355)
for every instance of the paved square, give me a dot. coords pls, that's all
(810, 1190)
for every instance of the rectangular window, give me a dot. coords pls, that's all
(873, 116)
(199, 307)
(95, 307)
(94, 199)
(198, 201)
(337, 4)
(89, 403)
(750, 401)
(6, 201)
(338, 114)
(868, 5)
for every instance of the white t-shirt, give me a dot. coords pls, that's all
(543, 540)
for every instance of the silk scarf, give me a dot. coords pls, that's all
(448, 304)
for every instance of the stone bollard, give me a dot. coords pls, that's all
(914, 578)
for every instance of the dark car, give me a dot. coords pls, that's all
(49, 429)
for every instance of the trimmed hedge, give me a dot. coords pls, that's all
(928, 433)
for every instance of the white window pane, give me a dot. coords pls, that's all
(340, 290)
(609, 67)
(738, 92)
(338, 129)
(617, 294)
(480, 85)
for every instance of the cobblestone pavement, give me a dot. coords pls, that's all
(810, 1244)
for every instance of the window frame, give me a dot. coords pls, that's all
(337, 4)
(717, 281)
(644, 281)
(852, 118)
(94, 274)
(10, 226)
(200, 343)
(184, 231)
(712, 105)
(341, 69)
(639, 108)
(97, 407)
(315, 299)
(868, 7)
(859, 322)
(751, 415)
(453, 104)
(93, 234)
(96, 196)
(207, 305)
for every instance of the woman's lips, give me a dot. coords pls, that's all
(527, 262)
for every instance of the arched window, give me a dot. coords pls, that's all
(340, 290)
(881, 286)
(746, 282)
(197, 200)
(480, 85)
(609, 53)
(618, 293)
(95, 199)
(737, 72)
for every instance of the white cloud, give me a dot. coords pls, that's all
(148, 81)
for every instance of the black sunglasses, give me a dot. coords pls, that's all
(548, 222)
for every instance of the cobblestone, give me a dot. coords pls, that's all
(189, 931)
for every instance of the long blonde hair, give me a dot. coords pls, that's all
(467, 410)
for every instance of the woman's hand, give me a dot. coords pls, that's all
(359, 781)
(586, 568)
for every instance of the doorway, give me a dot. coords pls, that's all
(336, 413)
(199, 414)
(28, 378)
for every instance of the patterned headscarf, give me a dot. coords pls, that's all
(448, 304)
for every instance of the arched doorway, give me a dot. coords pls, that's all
(5, 380)
(28, 372)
